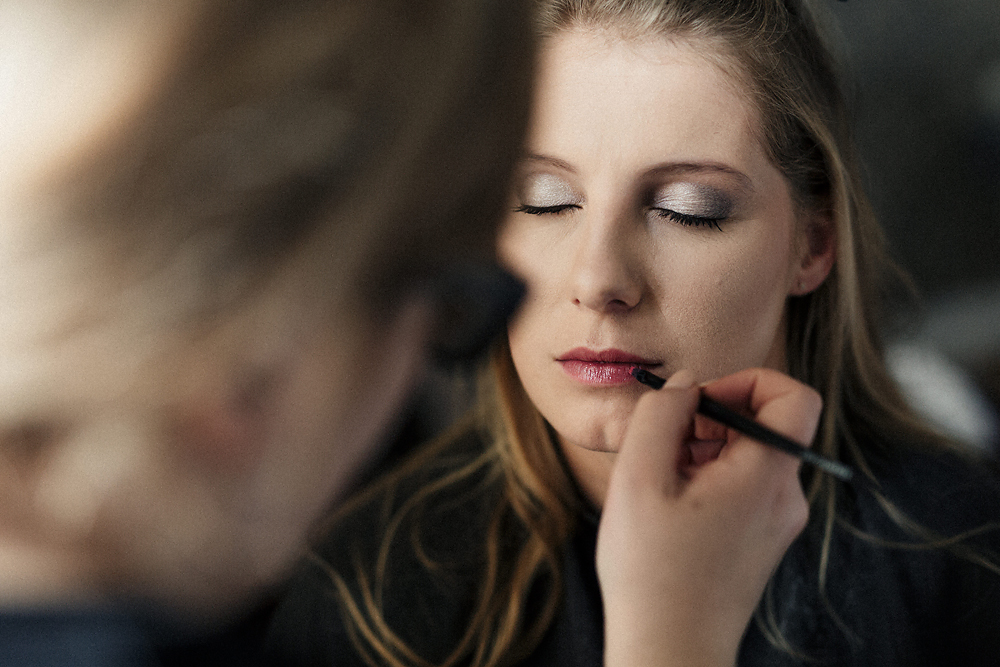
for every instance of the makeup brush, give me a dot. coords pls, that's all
(718, 412)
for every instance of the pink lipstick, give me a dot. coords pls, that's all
(604, 368)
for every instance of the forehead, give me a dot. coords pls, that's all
(647, 99)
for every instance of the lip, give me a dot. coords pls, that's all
(604, 368)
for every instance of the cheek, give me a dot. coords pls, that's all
(726, 307)
(524, 254)
(523, 335)
(346, 390)
(750, 287)
(521, 252)
(330, 425)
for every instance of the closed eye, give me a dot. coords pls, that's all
(545, 210)
(689, 220)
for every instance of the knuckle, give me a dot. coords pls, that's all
(798, 513)
(812, 398)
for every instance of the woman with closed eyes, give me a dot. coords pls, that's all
(688, 204)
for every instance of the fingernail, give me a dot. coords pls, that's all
(681, 380)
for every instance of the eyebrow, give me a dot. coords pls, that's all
(549, 160)
(664, 168)
(700, 168)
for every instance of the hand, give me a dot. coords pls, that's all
(684, 551)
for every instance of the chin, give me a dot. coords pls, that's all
(605, 438)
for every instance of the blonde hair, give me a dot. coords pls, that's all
(773, 49)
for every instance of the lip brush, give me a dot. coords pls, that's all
(718, 412)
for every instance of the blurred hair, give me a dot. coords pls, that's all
(383, 132)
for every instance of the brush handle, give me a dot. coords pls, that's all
(748, 427)
(727, 417)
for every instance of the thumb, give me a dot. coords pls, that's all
(662, 420)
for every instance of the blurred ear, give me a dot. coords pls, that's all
(818, 252)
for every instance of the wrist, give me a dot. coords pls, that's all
(652, 640)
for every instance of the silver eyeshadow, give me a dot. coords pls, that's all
(693, 199)
(548, 190)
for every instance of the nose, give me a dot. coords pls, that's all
(605, 275)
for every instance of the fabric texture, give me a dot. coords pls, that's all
(883, 605)
(124, 636)
(81, 637)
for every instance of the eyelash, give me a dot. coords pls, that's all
(680, 218)
(689, 220)
(545, 210)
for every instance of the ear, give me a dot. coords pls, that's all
(818, 252)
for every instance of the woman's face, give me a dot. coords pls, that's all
(651, 229)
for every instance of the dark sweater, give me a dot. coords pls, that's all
(884, 606)
(132, 635)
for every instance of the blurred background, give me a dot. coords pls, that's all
(924, 77)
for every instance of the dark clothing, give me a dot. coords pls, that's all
(884, 606)
(84, 638)
(119, 637)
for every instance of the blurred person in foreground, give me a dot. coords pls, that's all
(221, 228)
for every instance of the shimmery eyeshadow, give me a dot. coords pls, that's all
(548, 190)
(694, 199)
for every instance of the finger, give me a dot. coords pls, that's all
(704, 451)
(661, 421)
(773, 399)
(708, 429)
(778, 402)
